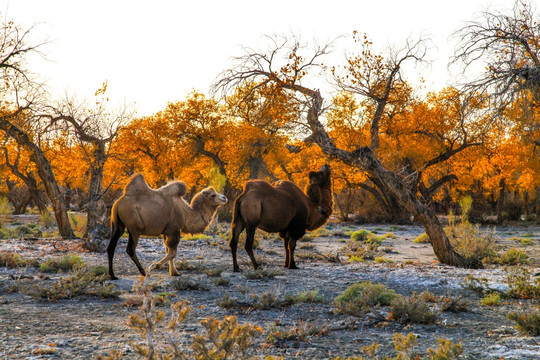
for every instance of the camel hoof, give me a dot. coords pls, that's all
(292, 267)
(236, 269)
(113, 277)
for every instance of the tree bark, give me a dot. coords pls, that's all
(46, 175)
(500, 200)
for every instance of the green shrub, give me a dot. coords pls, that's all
(527, 322)
(422, 238)
(361, 297)
(446, 350)
(78, 282)
(64, 263)
(360, 235)
(492, 299)
(522, 285)
(5, 209)
(47, 219)
(312, 296)
(12, 260)
(411, 309)
(513, 256)
(225, 339)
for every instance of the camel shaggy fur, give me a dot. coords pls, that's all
(281, 208)
(145, 211)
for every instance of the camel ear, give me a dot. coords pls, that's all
(208, 191)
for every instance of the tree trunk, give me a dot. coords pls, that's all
(46, 175)
(500, 201)
(96, 230)
(420, 212)
(537, 203)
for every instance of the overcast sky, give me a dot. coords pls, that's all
(153, 52)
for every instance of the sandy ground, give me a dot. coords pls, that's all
(83, 327)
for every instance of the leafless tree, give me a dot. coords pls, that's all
(95, 128)
(20, 97)
(509, 48)
(288, 63)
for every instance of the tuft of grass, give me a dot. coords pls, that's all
(528, 322)
(312, 296)
(196, 237)
(64, 263)
(78, 223)
(356, 258)
(522, 285)
(411, 310)
(422, 238)
(381, 259)
(428, 297)
(12, 260)
(46, 219)
(492, 299)
(361, 297)
(221, 281)
(298, 333)
(513, 256)
(5, 209)
(78, 282)
(182, 284)
(360, 235)
(262, 273)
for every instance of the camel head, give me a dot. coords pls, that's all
(321, 177)
(213, 198)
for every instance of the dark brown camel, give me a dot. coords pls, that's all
(145, 211)
(282, 208)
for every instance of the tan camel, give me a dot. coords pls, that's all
(145, 211)
(282, 208)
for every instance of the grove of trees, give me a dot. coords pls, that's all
(397, 154)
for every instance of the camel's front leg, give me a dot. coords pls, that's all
(171, 244)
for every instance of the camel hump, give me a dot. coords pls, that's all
(174, 188)
(256, 184)
(136, 184)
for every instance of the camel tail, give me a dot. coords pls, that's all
(237, 216)
(116, 222)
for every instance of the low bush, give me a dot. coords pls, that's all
(12, 260)
(183, 284)
(312, 296)
(528, 322)
(64, 263)
(361, 297)
(411, 310)
(513, 256)
(78, 282)
(492, 299)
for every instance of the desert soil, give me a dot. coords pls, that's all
(84, 327)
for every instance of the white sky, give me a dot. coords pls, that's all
(154, 52)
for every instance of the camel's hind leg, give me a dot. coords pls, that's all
(250, 237)
(131, 246)
(236, 229)
(171, 244)
(112, 247)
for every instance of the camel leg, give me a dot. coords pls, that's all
(290, 252)
(171, 244)
(112, 247)
(131, 246)
(286, 246)
(250, 237)
(236, 230)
